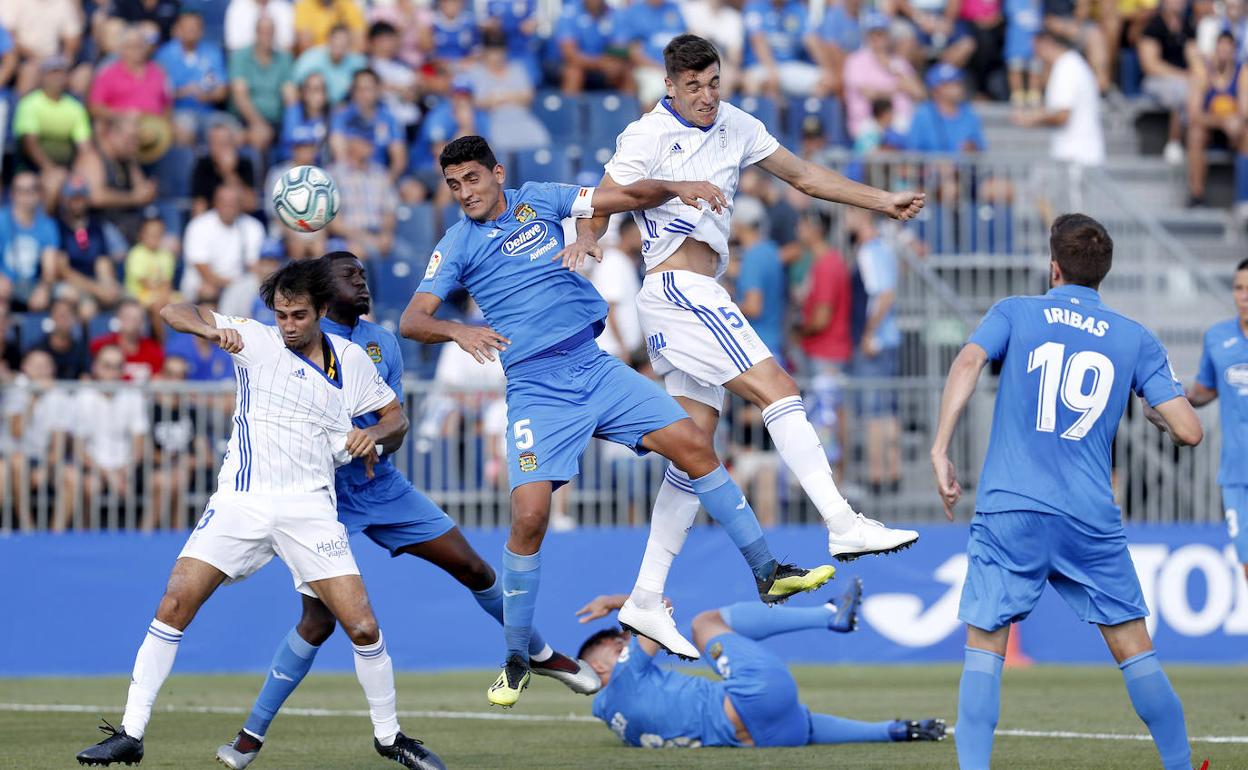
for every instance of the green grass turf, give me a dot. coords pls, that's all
(1079, 699)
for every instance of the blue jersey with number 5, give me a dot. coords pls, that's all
(1069, 365)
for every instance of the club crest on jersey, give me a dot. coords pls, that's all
(528, 462)
(524, 213)
(715, 650)
(237, 319)
(435, 261)
(374, 352)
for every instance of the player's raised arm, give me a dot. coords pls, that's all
(417, 323)
(825, 184)
(192, 319)
(959, 386)
(604, 605)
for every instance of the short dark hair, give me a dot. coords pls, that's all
(308, 277)
(466, 149)
(1243, 265)
(1081, 248)
(365, 72)
(688, 53)
(334, 256)
(380, 28)
(599, 638)
(881, 107)
(1060, 39)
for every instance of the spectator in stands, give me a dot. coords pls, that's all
(1218, 101)
(132, 83)
(368, 223)
(220, 245)
(779, 42)
(825, 334)
(29, 242)
(40, 416)
(40, 29)
(984, 22)
(143, 356)
(781, 219)
(317, 20)
(304, 148)
(516, 22)
(721, 22)
(1163, 48)
(8, 62)
(616, 279)
(309, 113)
(449, 119)
(260, 86)
(150, 266)
(335, 61)
(413, 23)
(154, 17)
(179, 448)
(223, 164)
(195, 68)
(91, 249)
(110, 429)
(762, 288)
(242, 19)
(877, 132)
(118, 188)
(879, 351)
(205, 361)
(1227, 16)
(1071, 19)
(10, 346)
(584, 35)
(838, 36)
(65, 342)
(242, 297)
(365, 108)
(453, 36)
(875, 71)
(51, 126)
(645, 27)
(1072, 104)
(503, 90)
(400, 85)
(946, 123)
(1023, 68)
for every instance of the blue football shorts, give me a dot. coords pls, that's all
(762, 690)
(557, 403)
(1011, 555)
(1235, 504)
(391, 512)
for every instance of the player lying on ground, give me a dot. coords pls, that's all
(562, 389)
(701, 343)
(1045, 509)
(298, 390)
(385, 506)
(755, 704)
(1224, 374)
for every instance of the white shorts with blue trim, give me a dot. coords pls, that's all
(696, 336)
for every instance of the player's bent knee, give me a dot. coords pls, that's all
(707, 625)
(317, 623)
(363, 631)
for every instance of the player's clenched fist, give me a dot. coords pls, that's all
(904, 205)
(692, 192)
(229, 340)
(481, 342)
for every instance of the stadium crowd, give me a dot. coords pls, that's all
(143, 135)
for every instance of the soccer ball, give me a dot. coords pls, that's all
(305, 198)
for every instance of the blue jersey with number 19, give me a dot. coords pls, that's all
(1069, 364)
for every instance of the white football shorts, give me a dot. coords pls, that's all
(696, 336)
(240, 532)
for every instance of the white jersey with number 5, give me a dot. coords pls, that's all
(290, 417)
(663, 145)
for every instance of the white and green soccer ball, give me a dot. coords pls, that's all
(305, 199)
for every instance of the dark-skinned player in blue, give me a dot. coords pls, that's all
(562, 389)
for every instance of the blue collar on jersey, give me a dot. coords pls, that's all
(1078, 292)
(667, 104)
(333, 327)
(333, 367)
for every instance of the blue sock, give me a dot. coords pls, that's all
(825, 728)
(291, 664)
(1241, 178)
(521, 575)
(1158, 705)
(491, 600)
(724, 501)
(758, 621)
(979, 705)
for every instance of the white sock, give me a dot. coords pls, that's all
(376, 674)
(151, 668)
(798, 444)
(545, 654)
(675, 508)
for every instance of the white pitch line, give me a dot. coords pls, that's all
(1115, 736)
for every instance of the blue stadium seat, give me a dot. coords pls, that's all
(417, 358)
(415, 233)
(594, 158)
(33, 328)
(547, 165)
(173, 174)
(762, 108)
(396, 280)
(561, 114)
(606, 115)
(100, 324)
(827, 110)
(450, 215)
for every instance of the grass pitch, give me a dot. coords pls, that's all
(197, 713)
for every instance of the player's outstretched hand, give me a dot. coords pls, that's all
(904, 205)
(480, 341)
(360, 443)
(229, 340)
(600, 607)
(692, 192)
(947, 484)
(573, 255)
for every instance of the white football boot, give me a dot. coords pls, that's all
(868, 536)
(657, 624)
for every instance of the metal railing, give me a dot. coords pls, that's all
(55, 478)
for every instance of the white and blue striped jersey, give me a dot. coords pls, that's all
(291, 418)
(663, 145)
